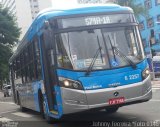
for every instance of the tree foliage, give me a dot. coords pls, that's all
(5, 54)
(9, 34)
(138, 9)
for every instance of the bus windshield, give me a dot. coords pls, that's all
(77, 49)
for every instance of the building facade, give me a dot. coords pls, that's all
(150, 26)
(25, 11)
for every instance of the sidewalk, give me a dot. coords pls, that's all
(156, 83)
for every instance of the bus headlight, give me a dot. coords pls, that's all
(145, 73)
(68, 83)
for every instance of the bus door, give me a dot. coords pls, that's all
(48, 67)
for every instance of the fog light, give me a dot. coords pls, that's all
(75, 85)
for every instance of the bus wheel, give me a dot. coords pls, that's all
(111, 109)
(41, 105)
(44, 111)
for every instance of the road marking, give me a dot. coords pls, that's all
(155, 100)
(3, 119)
(8, 112)
(155, 88)
(22, 114)
(8, 103)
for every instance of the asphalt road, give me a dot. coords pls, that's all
(144, 114)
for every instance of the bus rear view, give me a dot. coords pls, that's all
(90, 58)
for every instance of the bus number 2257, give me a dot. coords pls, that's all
(132, 77)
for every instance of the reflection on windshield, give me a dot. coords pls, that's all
(76, 50)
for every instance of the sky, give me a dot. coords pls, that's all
(66, 4)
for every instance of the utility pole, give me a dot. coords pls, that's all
(152, 53)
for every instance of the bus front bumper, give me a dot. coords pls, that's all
(79, 100)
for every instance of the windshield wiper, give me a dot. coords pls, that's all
(93, 61)
(99, 50)
(119, 53)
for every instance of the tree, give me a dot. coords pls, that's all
(138, 9)
(5, 54)
(9, 34)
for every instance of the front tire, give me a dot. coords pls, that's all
(111, 109)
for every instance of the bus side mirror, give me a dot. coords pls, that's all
(46, 25)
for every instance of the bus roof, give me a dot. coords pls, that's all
(50, 13)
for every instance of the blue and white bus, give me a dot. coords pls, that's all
(80, 59)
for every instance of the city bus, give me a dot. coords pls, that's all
(80, 59)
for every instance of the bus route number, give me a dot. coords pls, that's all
(97, 20)
(132, 77)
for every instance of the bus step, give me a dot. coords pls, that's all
(54, 112)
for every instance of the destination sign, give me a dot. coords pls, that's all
(95, 20)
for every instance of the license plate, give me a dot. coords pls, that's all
(115, 101)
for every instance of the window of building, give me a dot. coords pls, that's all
(158, 18)
(157, 2)
(35, 6)
(150, 22)
(144, 42)
(36, 12)
(141, 26)
(148, 4)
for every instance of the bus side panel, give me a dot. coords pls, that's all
(59, 100)
(58, 107)
(36, 87)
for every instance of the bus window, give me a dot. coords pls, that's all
(72, 54)
(51, 57)
(22, 60)
(31, 68)
(62, 57)
(37, 62)
(30, 48)
(26, 56)
(32, 76)
(37, 51)
(23, 75)
(26, 74)
(18, 63)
